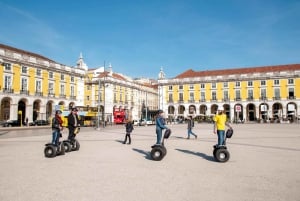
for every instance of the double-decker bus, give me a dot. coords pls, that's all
(119, 116)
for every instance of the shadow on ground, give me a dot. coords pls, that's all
(145, 153)
(209, 158)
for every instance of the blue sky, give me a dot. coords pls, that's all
(139, 37)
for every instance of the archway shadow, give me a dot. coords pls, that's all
(207, 157)
(145, 153)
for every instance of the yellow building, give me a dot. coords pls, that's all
(33, 86)
(270, 93)
(112, 92)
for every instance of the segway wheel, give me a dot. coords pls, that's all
(75, 145)
(50, 151)
(67, 145)
(222, 155)
(157, 153)
(164, 150)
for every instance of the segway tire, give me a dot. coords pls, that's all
(68, 146)
(75, 145)
(50, 151)
(222, 155)
(157, 153)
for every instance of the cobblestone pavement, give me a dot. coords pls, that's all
(264, 166)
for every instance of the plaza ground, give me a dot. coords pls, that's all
(264, 166)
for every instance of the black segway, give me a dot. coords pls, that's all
(73, 142)
(52, 150)
(221, 154)
(159, 151)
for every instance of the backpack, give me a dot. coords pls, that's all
(167, 133)
(229, 133)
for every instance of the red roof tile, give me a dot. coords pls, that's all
(191, 73)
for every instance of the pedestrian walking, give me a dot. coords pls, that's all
(220, 123)
(129, 129)
(190, 125)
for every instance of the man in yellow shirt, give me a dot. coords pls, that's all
(220, 121)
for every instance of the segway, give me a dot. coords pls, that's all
(159, 151)
(221, 154)
(73, 142)
(52, 150)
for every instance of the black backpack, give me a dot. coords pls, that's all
(167, 133)
(229, 133)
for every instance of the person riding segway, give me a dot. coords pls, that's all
(159, 151)
(220, 151)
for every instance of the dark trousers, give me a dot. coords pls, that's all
(71, 133)
(127, 136)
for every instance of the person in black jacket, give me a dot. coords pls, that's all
(73, 123)
(129, 128)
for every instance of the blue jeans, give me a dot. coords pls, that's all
(221, 137)
(158, 135)
(55, 137)
(190, 133)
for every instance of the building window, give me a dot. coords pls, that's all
(191, 87)
(7, 66)
(237, 84)
(170, 97)
(24, 69)
(7, 82)
(238, 94)
(62, 89)
(225, 85)
(202, 98)
(170, 88)
(62, 77)
(277, 93)
(214, 95)
(87, 98)
(191, 96)
(24, 84)
(250, 94)
(213, 85)
(291, 93)
(38, 86)
(263, 83)
(276, 82)
(72, 91)
(51, 88)
(38, 72)
(290, 81)
(51, 75)
(202, 86)
(250, 83)
(88, 87)
(263, 93)
(226, 96)
(180, 87)
(180, 96)
(72, 79)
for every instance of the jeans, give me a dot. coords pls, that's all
(55, 137)
(158, 135)
(190, 133)
(221, 137)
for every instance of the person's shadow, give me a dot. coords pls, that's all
(207, 157)
(145, 153)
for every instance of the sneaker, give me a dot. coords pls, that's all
(196, 137)
(188, 138)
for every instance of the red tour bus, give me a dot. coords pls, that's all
(119, 116)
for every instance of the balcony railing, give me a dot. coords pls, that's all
(202, 100)
(191, 101)
(276, 98)
(170, 101)
(291, 97)
(38, 93)
(62, 95)
(250, 99)
(26, 92)
(51, 94)
(263, 98)
(237, 99)
(8, 90)
(73, 97)
(213, 100)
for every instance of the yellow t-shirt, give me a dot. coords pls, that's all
(220, 121)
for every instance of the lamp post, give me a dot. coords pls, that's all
(98, 112)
